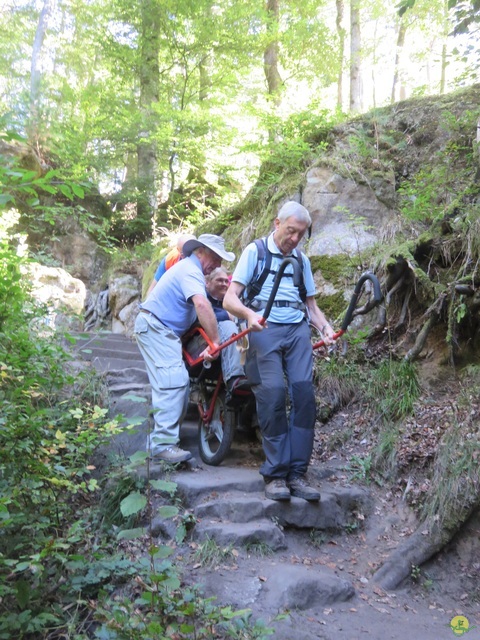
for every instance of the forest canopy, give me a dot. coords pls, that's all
(158, 103)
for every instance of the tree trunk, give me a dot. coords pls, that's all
(35, 67)
(444, 63)
(149, 91)
(402, 30)
(356, 101)
(270, 59)
(341, 51)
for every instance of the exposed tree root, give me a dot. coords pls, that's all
(424, 543)
(414, 352)
(455, 495)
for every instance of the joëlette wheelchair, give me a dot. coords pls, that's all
(218, 423)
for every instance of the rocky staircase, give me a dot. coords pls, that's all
(110, 352)
(228, 501)
(230, 508)
(117, 359)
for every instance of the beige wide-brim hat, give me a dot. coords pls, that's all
(212, 242)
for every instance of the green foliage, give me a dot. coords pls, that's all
(48, 202)
(338, 380)
(435, 191)
(360, 469)
(317, 538)
(163, 610)
(296, 138)
(394, 388)
(259, 549)
(46, 445)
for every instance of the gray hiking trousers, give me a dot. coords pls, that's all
(282, 353)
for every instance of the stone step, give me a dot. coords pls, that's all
(305, 587)
(335, 510)
(91, 352)
(103, 365)
(124, 380)
(105, 340)
(282, 587)
(260, 532)
(216, 481)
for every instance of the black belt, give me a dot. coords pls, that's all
(259, 305)
(152, 314)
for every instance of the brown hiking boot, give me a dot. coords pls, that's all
(277, 490)
(300, 488)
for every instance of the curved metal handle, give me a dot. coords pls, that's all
(377, 294)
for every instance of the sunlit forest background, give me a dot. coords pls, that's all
(136, 98)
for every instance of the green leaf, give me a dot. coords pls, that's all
(5, 197)
(133, 398)
(48, 188)
(77, 190)
(130, 534)
(171, 583)
(23, 593)
(161, 552)
(67, 192)
(28, 175)
(167, 511)
(4, 513)
(164, 485)
(132, 504)
(138, 456)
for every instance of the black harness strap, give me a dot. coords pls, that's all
(255, 286)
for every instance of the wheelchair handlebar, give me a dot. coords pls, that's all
(297, 275)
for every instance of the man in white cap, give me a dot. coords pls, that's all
(177, 301)
(282, 350)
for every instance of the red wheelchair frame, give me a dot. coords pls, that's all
(217, 423)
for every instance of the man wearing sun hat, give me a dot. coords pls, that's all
(178, 300)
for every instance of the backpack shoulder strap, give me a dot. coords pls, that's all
(264, 261)
(302, 289)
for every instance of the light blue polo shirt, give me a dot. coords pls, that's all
(170, 299)
(245, 270)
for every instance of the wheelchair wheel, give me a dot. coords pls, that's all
(215, 439)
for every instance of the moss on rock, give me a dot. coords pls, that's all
(334, 269)
(333, 306)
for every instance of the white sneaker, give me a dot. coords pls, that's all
(173, 454)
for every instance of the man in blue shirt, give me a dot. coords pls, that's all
(282, 349)
(176, 302)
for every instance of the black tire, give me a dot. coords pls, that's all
(215, 440)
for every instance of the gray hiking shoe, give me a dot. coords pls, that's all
(173, 454)
(300, 488)
(277, 490)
